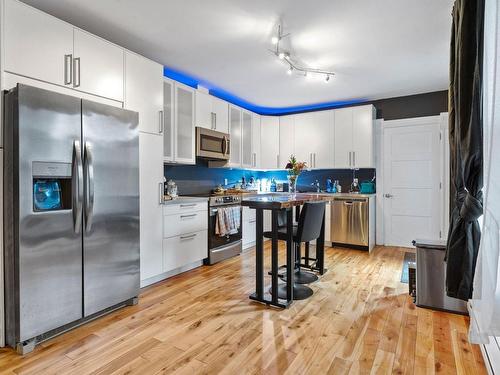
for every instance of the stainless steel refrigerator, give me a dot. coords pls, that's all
(71, 212)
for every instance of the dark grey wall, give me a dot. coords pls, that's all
(420, 105)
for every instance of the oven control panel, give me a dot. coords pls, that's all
(226, 199)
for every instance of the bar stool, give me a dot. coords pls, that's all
(308, 229)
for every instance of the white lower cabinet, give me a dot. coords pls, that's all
(151, 208)
(184, 249)
(248, 227)
(185, 236)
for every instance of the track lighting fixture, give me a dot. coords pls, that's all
(285, 55)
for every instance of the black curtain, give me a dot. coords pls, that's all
(466, 146)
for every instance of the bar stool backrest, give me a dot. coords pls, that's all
(310, 221)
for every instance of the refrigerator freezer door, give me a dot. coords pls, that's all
(111, 209)
(43, 249)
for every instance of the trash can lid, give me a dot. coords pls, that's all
(430, 244)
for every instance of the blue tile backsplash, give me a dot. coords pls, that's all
(199, 179)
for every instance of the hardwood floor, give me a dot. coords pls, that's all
(359, 320)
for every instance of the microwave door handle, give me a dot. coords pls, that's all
(77, 190)
(89, 191)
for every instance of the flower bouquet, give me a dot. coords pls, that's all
(294, 169)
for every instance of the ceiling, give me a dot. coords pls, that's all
(378, 49)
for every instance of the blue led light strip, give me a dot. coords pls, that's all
(269, 111)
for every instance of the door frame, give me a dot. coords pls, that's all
(441, 121)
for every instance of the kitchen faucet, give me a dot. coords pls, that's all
(318, 190)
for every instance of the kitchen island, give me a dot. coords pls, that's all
(279, 203)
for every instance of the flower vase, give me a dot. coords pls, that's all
(292, 184)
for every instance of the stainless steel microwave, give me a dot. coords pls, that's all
(212, 145)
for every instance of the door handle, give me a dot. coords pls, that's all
(224, 145)
(77, 183)
(350, 159)
(68, 69)
(161, 125)
(89, 182)
(354, 158)
(76, 72)
(160, 192)
(277, 161)
(388, 195)
(188, 216)
(314, 160)
(189, 237)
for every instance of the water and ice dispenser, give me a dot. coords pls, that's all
(52, 186)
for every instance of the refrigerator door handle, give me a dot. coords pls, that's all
(77, 186)
(89, 182)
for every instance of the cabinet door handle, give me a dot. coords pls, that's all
(68, 69)
(160, 121)
(314, 160)
(277, 161)
(191, 236)
(354, 158)
(254, 160)
(76, 72)
(350, 159)
(160, 192)
(188, 205)
(188, 216)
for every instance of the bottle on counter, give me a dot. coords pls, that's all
(329, 185)
(339, 188)
(273, 186)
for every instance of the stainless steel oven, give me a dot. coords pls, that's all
(212, 145)
(221, 248)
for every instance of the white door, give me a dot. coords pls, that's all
(363, 137)
(184, 133)
(269, 142)
(412, 159)
(151, 189)
(287, 131)
(99, 70)
(36, 44)
(220, 108)
(144, 91)
(322, 139)
(343, 138)
(235, 136)
(204, 110)
(168, 120)
(246, 139)
(255, 140)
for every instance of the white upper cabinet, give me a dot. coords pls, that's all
(270, 142)
(235, 136)
(322, 139)
(314, 139)
(204, 114)
(37, 45)
(354, 137)
(168, 120)
(144, 92)
(98, 66)
(287, 139)
(42, 47)
(220, 108)
(246, 139)
(303, 124)
(343, 138)
(184, 130)
(211, 112)
(363, 137)
(256, 154)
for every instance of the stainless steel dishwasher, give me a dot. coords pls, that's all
(350, 221)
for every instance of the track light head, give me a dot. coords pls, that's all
(275, 40)
(281, 55)
(327, 78)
